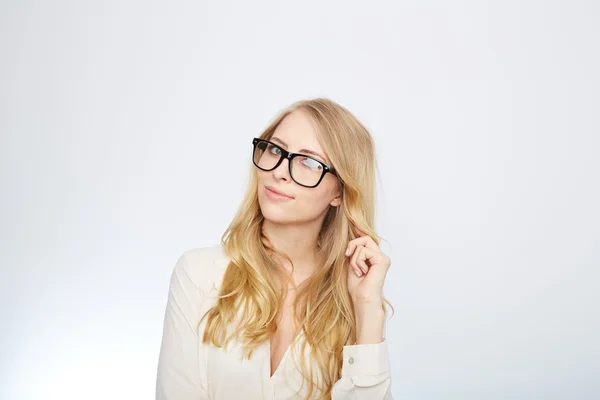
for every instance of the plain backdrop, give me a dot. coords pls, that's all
(126, 138)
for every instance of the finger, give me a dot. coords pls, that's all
(361, 259)
(354, 264)
(379, 267)
(369, 258)
(356, 271)
(365, 241)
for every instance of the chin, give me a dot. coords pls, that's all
(274, 212)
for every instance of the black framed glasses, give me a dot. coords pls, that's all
(305, 170)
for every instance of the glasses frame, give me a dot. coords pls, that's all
(290, 156)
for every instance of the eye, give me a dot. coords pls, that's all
(312, 164)
(274, 149)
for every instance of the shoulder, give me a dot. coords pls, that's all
(204, 267)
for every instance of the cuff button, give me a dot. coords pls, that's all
(351, 360)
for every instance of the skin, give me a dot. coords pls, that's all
(293, 226)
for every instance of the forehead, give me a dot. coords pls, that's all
(298, 132)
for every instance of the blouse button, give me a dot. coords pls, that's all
(351, 360)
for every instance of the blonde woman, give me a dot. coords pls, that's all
(290, 304)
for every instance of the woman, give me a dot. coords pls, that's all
(290, 303)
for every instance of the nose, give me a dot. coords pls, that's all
(282, 170)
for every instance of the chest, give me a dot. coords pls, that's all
(269, 374)
(280, 342)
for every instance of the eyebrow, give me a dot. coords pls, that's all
(307, 151)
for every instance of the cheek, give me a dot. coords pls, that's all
(260, 175)
(313, 200)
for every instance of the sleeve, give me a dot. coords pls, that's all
(365, 373)
(179, 374)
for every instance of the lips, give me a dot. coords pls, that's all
(272, 189)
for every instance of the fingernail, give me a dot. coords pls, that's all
(357, 272)
(347, 251)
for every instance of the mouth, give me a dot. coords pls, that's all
(276, 194)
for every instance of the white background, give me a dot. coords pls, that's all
(126, 135)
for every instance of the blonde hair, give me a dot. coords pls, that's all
(322, 306)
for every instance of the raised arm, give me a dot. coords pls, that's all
(366, 365)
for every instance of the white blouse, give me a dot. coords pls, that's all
(189, 369)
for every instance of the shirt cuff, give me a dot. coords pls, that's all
(366, 359)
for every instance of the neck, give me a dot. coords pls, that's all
(298, 241)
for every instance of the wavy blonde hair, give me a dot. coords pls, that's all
(256, 284)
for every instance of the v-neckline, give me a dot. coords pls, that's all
(284, 357)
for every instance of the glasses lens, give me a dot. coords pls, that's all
(266, 155)
(305, 170)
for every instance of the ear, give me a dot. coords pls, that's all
(336, 201)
